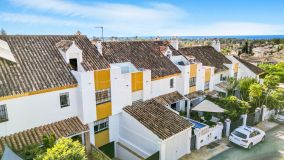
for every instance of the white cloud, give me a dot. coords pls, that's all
(41, 20)
(130, 20)
(106, 11)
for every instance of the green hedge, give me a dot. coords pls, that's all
(108, 149)
(155, 156)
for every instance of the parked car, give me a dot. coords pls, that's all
(247, 137)
(280, 117)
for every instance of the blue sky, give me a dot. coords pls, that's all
(144, 17)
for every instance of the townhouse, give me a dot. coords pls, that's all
(145, 96)
(47, 87)
(124, 94)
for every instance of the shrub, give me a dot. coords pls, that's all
(64, 149)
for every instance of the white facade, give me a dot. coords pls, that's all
(243, 71)
(142, 141)
(36, 110)
(162, 86)
(207, 135)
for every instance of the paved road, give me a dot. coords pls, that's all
(271, 149)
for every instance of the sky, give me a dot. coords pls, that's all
(143, 17)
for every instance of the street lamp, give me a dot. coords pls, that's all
(102, 28)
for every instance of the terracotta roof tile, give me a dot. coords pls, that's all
(34, 135)
(169, 98)
(208, 56)
(157, 118)
(40, 65)
(142, 54)
(250, 66)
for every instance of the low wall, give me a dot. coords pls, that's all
(207, 135)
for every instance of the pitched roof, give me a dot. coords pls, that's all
(208, 56)
(250, 66)
(63, 128)
(168, 99)
(157, 118)
(195, 94)
(40, 65)
(142, 54)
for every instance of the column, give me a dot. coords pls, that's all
(244, 116)
(87, 142)
(228, 124)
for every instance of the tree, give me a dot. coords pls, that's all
(255, 94)
(275, 100)
(243, 87)
(64, 149)
(3, 32)
(234, 107)
(271, 82)
(232, 84)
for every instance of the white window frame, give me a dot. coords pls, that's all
(104, 100)
(99, 124)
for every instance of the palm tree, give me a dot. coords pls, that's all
(231, 86)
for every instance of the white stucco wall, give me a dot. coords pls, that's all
(86, 96)
(200, 77)
(136, 136)
(243, 71)
(206, 135)
(36, 110)
(183, 80)
(162, 86)
(147, 84)
(121, 94)
(176, 146)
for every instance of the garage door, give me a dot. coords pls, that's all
(176, 147)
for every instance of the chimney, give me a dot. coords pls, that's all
(216, 45)
(78, 33)
(99, 47)
(174, 42)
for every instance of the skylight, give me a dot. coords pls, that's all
(5, 51)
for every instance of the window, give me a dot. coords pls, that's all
(206, 85)
(174, 106)
(222, 78)
(3, 113)
(172, 83)
(239, 134)
(101, 125)
(103, 96)
(192, 82)
(254, 133)
(74, 64)
(64, 100)
(236, 75)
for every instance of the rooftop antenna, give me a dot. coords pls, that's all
(102, 29)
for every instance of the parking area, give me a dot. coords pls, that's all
(272, 148)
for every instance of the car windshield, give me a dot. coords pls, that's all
(239, 134)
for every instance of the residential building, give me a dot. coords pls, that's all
(125, 94)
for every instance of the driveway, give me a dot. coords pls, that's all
(271, 149)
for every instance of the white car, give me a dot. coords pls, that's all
(280, 117)
(247, 137)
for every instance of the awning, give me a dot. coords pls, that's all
(64, 128)
(222, 85)
(168, 99)
(195, 95)
(208, 106)
(9, 154)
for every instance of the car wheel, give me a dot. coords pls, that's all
(262, 140)
(250, 146)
